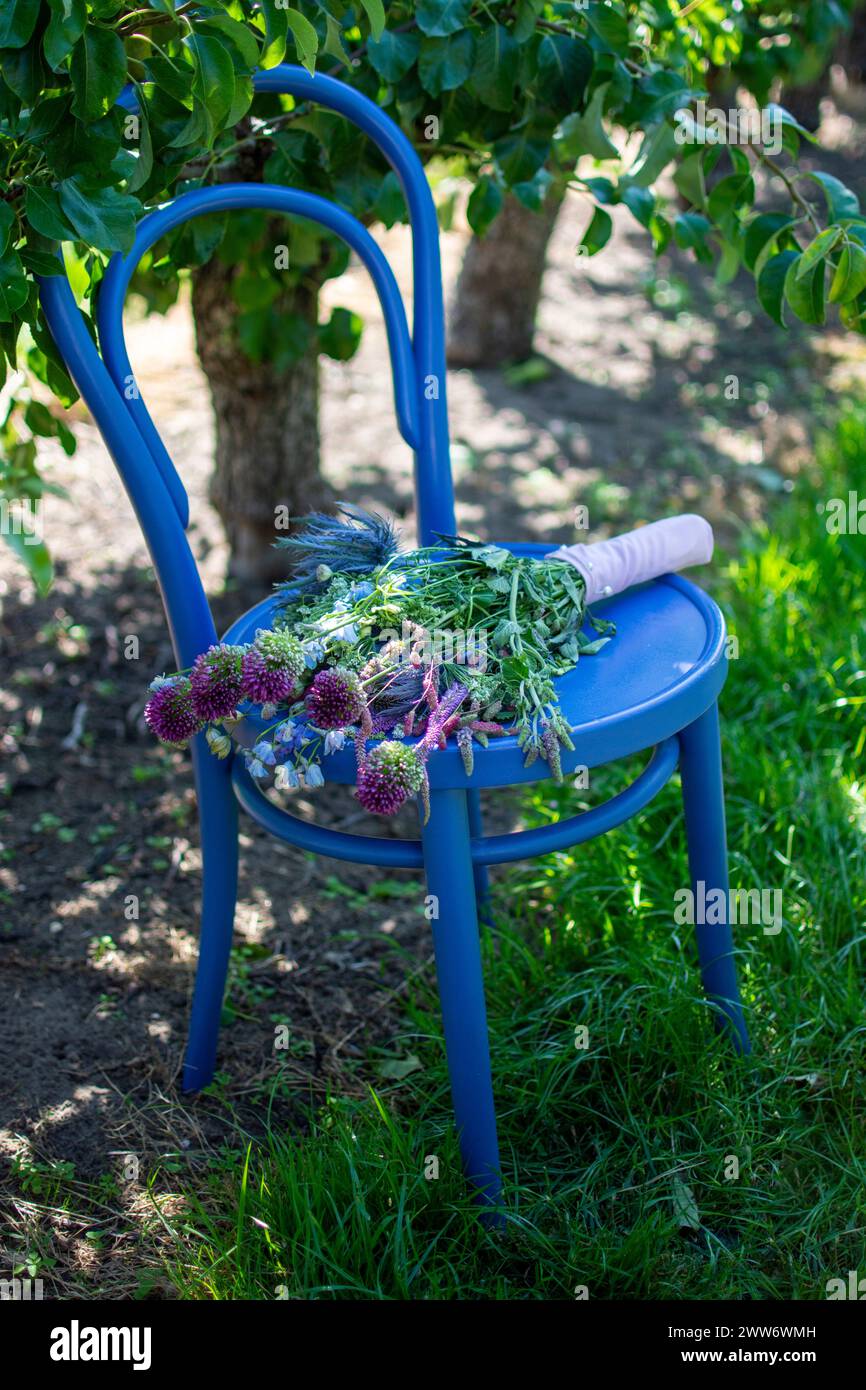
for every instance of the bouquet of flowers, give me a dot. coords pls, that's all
(398, 649)
(403, 649)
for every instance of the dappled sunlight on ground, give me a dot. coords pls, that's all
(628, 412)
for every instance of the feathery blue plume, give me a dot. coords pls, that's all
(354, 546)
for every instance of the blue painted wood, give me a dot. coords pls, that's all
(454, 925)
(490, 849)
(218, 818)
(482, 878)
(704, 803)
(655, 686)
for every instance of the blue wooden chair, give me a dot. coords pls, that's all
(653, 688)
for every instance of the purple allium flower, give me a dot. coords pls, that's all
(169, 713)
(263, 683)
(334, 698)
(390, 775)
(217, 681)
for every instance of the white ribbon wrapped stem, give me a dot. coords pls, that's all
(663, 547)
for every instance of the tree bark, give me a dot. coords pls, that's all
(267, 426)
(492, 318)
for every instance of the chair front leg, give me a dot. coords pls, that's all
(451, 885)
(218, 821)
(704, 803)
(479, 872)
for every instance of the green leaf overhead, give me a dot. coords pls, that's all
(729, 195)
(771, 285)
(521, 155)
(32, 553)
(17, 22)
(805, 293)
(850, 277)
(305, 37)
(691, 231)
(341, 335)
(393, 55)
(213, 84)
(762, 233)
(375, 12)
(240, 37)
(439, 18)
(65, 27)
(485, 204)
(98, 73)
(817, 250)
(144, 164)
(276, 27)
(13, 285)
(585, 133)
(609, 24)
(45, 213)
(101, 217)
(446, 63)
(7, 222)
(597, 234)
(655, 154)
(841, 202)
(564, 66)
(495, 69)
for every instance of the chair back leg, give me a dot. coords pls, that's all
(704, 803)
(218, 821)
(454, 920)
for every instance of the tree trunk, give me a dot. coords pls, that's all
(267, 426)
(496, 300)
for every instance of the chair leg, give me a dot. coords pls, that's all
(704, 803)
(479, 871)
(450, 881)
(218, 819)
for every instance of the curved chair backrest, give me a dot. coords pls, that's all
(108, 387)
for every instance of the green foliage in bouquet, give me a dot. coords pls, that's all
(459, 638)
(501, 624)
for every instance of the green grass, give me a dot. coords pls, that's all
(620, 1158)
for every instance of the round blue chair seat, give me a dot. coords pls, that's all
(664, 667)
